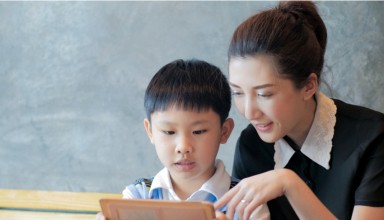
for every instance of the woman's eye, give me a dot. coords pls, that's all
(264, 95)
(199, 131)
(236, 93)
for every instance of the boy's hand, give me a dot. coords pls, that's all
(100, 216)
(221, 216)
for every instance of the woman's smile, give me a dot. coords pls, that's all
(263, 127)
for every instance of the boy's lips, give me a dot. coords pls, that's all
(184, 162)
(185, 165)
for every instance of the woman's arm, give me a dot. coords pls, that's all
(302, 199)
(259, 189)
(366, 212)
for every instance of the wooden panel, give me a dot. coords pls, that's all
(34, 199)
(29, 215)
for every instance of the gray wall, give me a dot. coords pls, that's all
(73, 75)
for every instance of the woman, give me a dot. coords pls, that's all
(307, 156)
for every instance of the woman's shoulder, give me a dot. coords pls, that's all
(357, 112)
(358, 122)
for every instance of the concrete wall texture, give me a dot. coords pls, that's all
(73, 75)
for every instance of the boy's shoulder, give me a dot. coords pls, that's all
(139, 189)
(144, 182)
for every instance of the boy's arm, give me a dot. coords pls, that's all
(138, 190)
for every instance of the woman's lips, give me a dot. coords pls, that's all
(263, 127)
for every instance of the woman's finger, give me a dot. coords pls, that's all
(238, 202)
(226, 198)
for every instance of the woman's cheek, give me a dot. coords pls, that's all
(239, 105)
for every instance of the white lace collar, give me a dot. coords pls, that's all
(318, 144)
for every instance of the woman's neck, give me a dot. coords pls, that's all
(307, 119)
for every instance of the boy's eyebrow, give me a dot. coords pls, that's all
(255, 87)
(194, 123)
(200, 122)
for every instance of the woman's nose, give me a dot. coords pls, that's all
(251, 109)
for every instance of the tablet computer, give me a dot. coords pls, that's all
(145, 209)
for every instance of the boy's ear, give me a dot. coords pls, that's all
(227, 128)
(147, 126)
(311, 86)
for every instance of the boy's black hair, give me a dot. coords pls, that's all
(190, 85)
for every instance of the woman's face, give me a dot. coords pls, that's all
(270, 102)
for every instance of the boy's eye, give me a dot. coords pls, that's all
(199, 131)
(169, 132)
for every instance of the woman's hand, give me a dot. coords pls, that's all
(252, 192)
(256, 190)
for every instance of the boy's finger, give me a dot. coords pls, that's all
(220, 216)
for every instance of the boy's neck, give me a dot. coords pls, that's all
(184, 188)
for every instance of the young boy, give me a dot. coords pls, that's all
(187, 105)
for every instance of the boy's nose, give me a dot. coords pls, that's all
(183, 146)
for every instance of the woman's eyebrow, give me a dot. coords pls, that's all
(264, 86)
(255, 87)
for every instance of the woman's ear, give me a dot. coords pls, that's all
(227, 128)
(147, 126)
(311, 86)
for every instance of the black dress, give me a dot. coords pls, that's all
(356, 174)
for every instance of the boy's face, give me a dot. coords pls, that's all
(187, 142)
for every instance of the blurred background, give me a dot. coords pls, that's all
(73, 76)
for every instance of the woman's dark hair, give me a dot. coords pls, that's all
(293, 33)
(190, 85)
